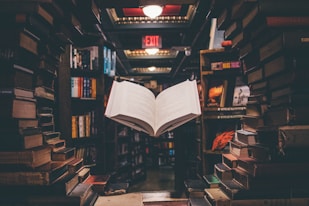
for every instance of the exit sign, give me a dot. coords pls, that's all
(151, 41)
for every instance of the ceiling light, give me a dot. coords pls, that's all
(152, 11)
(151, 51)
(152, 68)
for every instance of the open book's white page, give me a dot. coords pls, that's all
(175, 102)
(132, 100)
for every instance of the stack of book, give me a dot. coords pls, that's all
(268, 158)
(34, 160)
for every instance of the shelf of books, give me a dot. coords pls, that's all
(224, 96)
(125, 154)
(37, 162)
(165, 150)
(269, 145)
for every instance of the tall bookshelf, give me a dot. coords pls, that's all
(82, 101)
(220, 72)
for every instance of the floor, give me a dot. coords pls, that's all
(158, 179)
(159, 188)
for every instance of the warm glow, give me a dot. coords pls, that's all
(152, 51)
(151, 68)
(152, 11)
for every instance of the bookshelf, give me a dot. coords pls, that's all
(138, 156)
(165, 150)
(220, 75)
(126, 154)
(82, 101)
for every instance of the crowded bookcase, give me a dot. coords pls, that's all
(220, 72)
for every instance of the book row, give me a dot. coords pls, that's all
(83, 87)
(84, 125)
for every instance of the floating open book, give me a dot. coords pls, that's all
(137, 107)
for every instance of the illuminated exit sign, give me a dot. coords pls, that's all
(151, 41)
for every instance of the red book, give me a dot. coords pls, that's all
(287, 21)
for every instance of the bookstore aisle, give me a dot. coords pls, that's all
(158, 179)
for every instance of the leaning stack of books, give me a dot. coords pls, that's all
(34, 161)
(268, 156)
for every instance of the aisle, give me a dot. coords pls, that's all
(157, 179)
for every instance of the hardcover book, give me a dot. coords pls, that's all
(46, 174)
(247, 137)
(63, 154)
(137, 107)
(223, 172)
(195, 185)
(23, 108)
(83, 194)
(212, 181)
(97, 182)
(16, 76)
(31, 157)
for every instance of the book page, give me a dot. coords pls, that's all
(177, 105)
(131, 100)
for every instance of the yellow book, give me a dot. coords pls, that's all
(74, 127)
(93, 87)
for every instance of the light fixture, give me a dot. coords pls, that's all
(151, 51)
(152, 11)
(152, 68)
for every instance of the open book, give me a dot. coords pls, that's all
(137, 107)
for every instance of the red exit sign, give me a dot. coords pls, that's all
(151, 41)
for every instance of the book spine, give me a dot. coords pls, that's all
(287, 21)
(81, 126)
(93, 87)
(74, 127)
(74, 87)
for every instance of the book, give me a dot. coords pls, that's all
(252, 123)
(28, 7)
(16, 76)
(222, 172)
(258, 168)
(21, 138)
(137, 107)
(31, 139)
(97, 182)
(289, 41)
(17, 92)
(83, 194)
(216, 197)
(195, 187)
(284, 115)
(295, 76)
(30, 21)
(83, 174)
(256, 108)
(238, 149)
(229, 160)
(63, 154)
(45, 174)
(287, 21)
(293, 136)
(33, 158)
(223, 112)
(23, 108)
(241, 7)
(211, 180)
(16, 126)
(75, 165)
(44, 92)
(246, 137)
(20, 37)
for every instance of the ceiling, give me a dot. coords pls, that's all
(182, 26)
